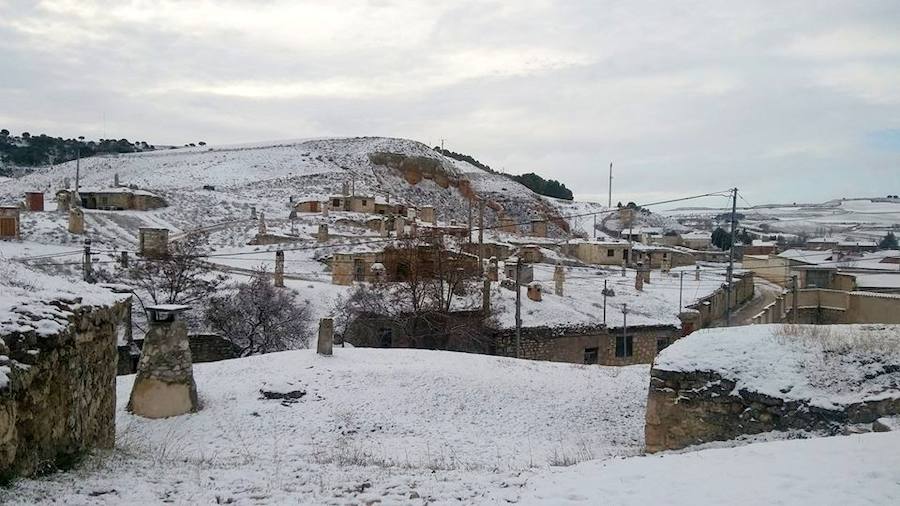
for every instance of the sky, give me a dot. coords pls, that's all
(786, 100)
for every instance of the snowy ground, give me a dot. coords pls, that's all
(399, 426)
(858, 469)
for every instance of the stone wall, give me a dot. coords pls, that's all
(62, 402)
(204, 348)
(825, 307)
(712, 307)
(688, 408)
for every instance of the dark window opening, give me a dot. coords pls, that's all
(661, 344)
(386, 337)
(591, 355)
(359, 270)
(610, 252)
(336, 203)
(624, 346)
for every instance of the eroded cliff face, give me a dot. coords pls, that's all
(688, 408)
(59, 400)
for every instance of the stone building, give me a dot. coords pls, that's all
(397, 263)
(113, 199)
(308, 206)
(656, 257)
(599, 252)
(589, 344)
(154, 242)
(9, 222)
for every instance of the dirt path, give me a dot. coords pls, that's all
(765, 294)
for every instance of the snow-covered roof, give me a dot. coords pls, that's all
(113, 189)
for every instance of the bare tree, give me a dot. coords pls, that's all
(181, 277)
(260, 318)
(435, 302)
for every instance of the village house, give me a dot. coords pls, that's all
(396, 263)
(112, 199)
(656, 257)
(599, 252)
(591, 344)
(696, 240)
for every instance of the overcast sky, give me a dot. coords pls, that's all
(788, 100)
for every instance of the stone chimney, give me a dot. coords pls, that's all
(322, 234)
(697, 273)
(646, 271)
(345, 188)
(279, 269)
(486, 297)
(253, 212)
(399, 226)
(325, 345)
(411, 214)
(76, 221)
(385, 231)
(493, 270)
(116, 179)
(262, 224)
(428, 214)
(559, 277)
(164, 385)
(639, 277)
(154, 242)
(534, 291)
(413, 229)
(379, 273)
(539, 228)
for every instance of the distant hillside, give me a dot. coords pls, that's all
(28, 150)
(534, 182)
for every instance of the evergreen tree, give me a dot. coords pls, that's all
(721, 239)
(888, 242)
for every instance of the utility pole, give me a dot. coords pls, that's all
(795, 305)
(518, 309)
(604, 302)
(625, 326)
(680, 291)
(480, 231)
(86, 261)
(77, 198)
(595, 226)
(442, 146)
(609, 202)
(730, 271)
(469, 239)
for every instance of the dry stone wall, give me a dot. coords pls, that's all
(688, 408)
(59, 400)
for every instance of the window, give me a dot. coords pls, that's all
(386, 337)
(590, 355)
(364, 202)
(624, 346)
(665, 255)
(336, 203)
(610, 252)
(359, 270)
(661, 343)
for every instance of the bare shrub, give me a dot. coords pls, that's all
(260, 318)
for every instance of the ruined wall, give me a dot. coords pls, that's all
(688, 408)
(63, 403)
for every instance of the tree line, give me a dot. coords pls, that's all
(26, 150)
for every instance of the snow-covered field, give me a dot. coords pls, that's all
(858, 469)
(397, 426)
(852, 219)
(427, 427)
